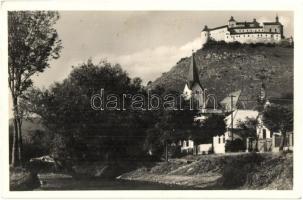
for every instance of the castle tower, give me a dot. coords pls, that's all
(231, 22)
(204, 35)
(277, 18)
(193, 88)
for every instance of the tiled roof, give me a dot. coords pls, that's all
(219, 27)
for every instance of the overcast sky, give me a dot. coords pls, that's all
(146, 44)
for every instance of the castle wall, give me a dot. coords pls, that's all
(204, 37)
(250, 35)
(272, 28)
(218, 34)
(254, 38)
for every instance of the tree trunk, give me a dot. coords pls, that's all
(20, 145)
(17, 140)
(15, 144)
(282, 143)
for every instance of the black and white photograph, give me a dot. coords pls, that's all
(178, 100)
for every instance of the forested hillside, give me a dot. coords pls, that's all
(224, 68)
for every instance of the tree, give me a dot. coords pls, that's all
(212, 125)
(32, 42)
(83, 133)
(250, 127)
(278, 118)
(169, 125)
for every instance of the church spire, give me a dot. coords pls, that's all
(193, 75)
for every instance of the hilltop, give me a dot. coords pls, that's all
(226, 67)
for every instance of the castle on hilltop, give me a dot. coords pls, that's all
(245, 32)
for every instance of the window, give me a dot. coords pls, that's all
(223, 139)
(275, 30)
(270, 30)
(187, 143)
(219, 140)
(264, 133)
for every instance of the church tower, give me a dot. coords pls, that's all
(193, 88)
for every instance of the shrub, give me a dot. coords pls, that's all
(235, 145)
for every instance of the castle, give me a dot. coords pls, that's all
(245, 32)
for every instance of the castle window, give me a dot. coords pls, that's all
(270, 30)
(219, 140)
(275, 30)
(223, 139)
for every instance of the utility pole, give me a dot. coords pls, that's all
(232, 117)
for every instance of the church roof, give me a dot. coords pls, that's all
(193, 75)
(226, 102)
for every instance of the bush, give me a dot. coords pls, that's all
(235, 145)
(235, 45)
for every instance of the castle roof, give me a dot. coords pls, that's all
(193, 75)
(219, 27)
(272, 23)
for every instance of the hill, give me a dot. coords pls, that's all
(224, 68)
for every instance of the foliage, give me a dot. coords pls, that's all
(170, 126)
(278, 119)
(235, 45)
(32, 42)
(235, 145)
(212, 126)
(82, 133)
(249, 126)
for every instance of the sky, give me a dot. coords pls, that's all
(145, 44)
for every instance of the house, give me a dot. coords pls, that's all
(234, 131)
(245, 32)
(187, 146)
